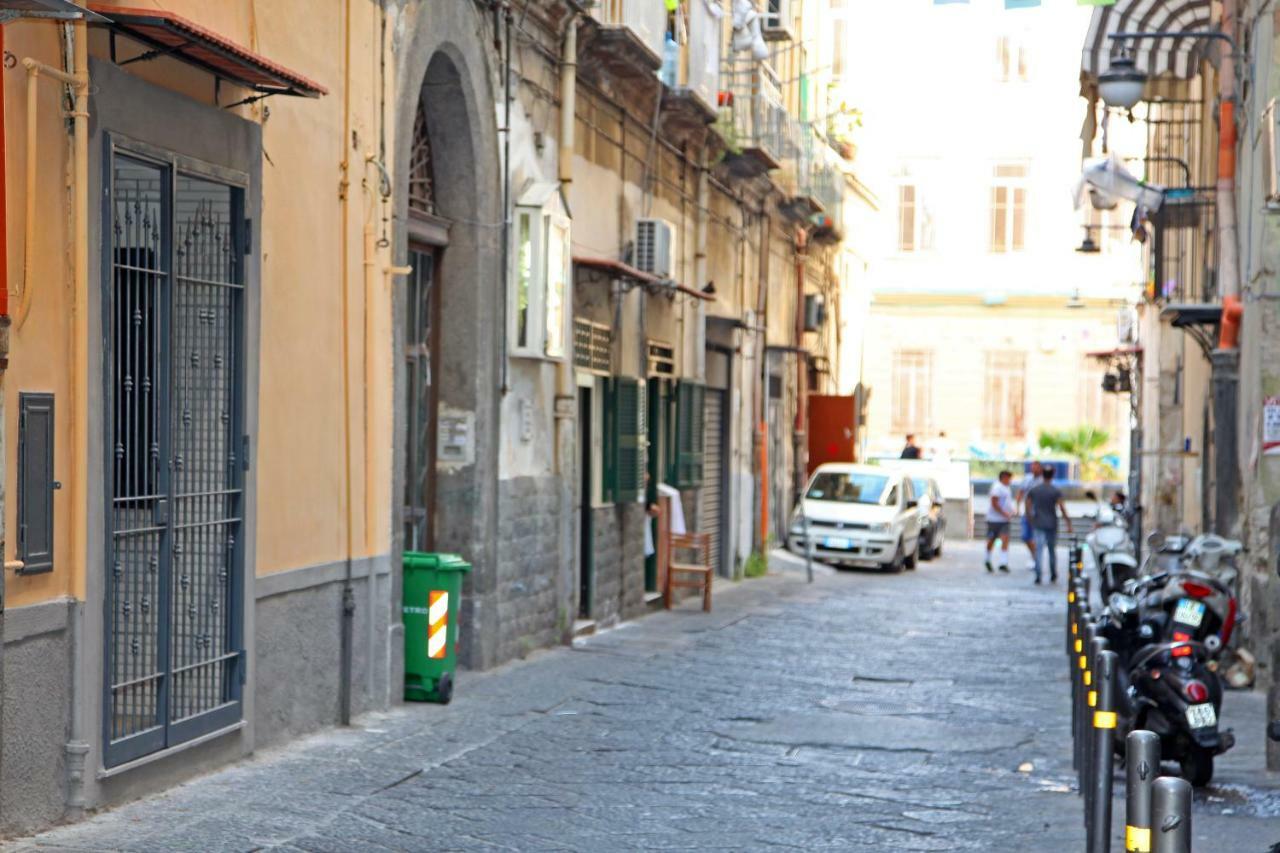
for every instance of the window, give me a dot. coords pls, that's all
(1005, 395)
(540, 274)
(1011, 60)
(912, 391)
(847, 488)
(838, 46)
(892, 500)
(915, 224)
(1009, 208)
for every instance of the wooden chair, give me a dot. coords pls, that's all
(697, 573)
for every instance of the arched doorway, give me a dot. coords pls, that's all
(447, 312)
(428, 238)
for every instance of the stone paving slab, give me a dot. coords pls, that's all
(865, 712)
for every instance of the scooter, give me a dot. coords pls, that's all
(1111, 547)
(1198, 599)
(1165, 687)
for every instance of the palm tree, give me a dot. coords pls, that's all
(1086, 444)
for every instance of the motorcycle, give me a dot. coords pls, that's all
(1167, 687)
(1112, 549)
(1198, 601)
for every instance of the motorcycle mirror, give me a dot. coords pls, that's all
(1155, 539)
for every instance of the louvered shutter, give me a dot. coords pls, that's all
(630, 439)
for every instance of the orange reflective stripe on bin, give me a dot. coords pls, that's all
(437, 623)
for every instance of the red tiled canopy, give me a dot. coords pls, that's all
(172, 35)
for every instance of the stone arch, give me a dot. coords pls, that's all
(444, 69)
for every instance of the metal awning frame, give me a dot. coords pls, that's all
(49, 10)
(127, 26)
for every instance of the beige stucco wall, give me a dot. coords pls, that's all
(298, 453)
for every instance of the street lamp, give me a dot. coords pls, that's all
(1122, 84)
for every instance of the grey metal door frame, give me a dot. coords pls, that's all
(174, 522)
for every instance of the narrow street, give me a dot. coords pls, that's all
(865, 712)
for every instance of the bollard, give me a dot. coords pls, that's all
(1104, 725)
(1170, 815)
(1097, 645)
(1142, 763)
(1084, 678)
(1073, 671)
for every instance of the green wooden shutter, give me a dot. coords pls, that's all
(630, 439)
(690, 435)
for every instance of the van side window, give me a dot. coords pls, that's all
(892, 500)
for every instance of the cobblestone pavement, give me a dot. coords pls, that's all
(865, 712)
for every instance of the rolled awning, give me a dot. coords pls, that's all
(1177, 58)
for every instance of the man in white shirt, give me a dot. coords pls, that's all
(1000, 510)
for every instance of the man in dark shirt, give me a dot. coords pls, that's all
(1043, 502)
(912, 450)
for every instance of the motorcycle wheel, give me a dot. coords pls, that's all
(1197, 766)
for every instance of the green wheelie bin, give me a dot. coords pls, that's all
(432, 591)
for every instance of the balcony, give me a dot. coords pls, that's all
(759, 132)
(628, 38)
(693, 76)
(1183, 262)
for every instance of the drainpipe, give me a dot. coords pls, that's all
(1225, 360)
(762, 391)
(565, 396)
(799, 441)
(348, 593)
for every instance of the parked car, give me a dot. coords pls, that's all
(858, 515)
(933, 519)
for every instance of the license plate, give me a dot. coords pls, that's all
(1202, 716)
(837, 542)
(1189, 612)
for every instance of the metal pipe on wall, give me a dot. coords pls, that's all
(346, 628)
(566, 396)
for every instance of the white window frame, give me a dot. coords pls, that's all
(922, 237)
(1005, 237)
(542, 238)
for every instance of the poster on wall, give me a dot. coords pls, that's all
(1271, 426)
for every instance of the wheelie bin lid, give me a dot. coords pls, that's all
(435, 562)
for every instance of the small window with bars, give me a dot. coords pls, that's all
(592, 347)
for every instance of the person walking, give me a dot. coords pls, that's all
(1044, 499)
(1000, 509)
(1029, 482)
(911, 450)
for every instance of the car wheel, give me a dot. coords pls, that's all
(898, 563)
(937, 549)
(910, 559)
(927, 550)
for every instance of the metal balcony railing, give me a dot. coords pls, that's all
(1183, 256)
(759, 118)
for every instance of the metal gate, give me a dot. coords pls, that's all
(176, 453)
(712, 504)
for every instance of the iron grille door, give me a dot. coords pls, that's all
(175, 327)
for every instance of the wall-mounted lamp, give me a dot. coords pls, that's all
(1122, 84)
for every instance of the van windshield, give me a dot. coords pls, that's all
(847, 488)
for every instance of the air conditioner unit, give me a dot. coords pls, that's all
(656, 247)
(775, 22)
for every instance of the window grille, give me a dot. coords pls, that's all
(592, 346)
(422, 194)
